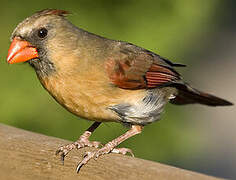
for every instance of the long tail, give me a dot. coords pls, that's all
(189, 95)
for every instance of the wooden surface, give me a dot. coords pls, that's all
(26, 155)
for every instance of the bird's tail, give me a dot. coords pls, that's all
(189, 95)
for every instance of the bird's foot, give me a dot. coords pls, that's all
(109, 147)
(82, 142)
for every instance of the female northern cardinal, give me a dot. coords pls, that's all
(100, 79)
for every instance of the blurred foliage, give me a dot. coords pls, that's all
(168, 27)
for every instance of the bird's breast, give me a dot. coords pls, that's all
(84, 98)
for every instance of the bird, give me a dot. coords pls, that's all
(100, 79)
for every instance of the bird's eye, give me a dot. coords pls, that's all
(42, 33)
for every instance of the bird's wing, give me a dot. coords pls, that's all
(136, 68)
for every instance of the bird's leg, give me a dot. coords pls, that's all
(110, 146)
(83, 141)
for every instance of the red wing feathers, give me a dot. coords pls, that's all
(158, 75)
(117, 72)
(139, 72)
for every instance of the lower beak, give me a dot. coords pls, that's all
(21, 51)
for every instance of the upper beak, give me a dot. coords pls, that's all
(21, 51)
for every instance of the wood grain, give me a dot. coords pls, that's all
(27, 155)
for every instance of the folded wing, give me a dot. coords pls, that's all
(135, 69)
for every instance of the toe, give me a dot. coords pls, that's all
(123, 151)
(95, 144)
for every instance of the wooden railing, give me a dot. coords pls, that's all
(26, 155)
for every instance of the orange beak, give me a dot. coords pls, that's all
(21, 51)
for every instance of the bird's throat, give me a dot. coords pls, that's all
(43, 68)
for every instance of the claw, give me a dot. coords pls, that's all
(87, 157)
(62, 155)
(79, 167)
(62, 158)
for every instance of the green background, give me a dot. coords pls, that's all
(180, 30)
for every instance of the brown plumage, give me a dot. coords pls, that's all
(100, 79)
